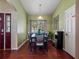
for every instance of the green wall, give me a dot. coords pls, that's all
(21, 22)
(63, 5)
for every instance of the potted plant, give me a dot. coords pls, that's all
(50, 35)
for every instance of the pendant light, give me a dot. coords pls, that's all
(40, 17)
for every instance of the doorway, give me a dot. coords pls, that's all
(5, 31)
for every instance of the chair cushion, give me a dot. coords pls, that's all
(33, 35)
(39, 44)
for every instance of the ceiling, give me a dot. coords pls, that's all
(40, 7)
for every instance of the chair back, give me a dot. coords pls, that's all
(32, 37)
(39, 38)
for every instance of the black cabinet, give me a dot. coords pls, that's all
(59, 40)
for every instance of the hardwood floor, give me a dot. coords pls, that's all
(25, 53)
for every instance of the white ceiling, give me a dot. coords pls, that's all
(33, 7)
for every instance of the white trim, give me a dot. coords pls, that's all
(14, 49)
(21, 44)
(68, 52)
(4, 31)
(64, 49)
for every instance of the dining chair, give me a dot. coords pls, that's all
(46, 41)
(41, 42)
(32, 41)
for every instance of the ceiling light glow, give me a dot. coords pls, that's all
(40, 17)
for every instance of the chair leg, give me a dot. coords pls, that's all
(30, 47)
(46, 46)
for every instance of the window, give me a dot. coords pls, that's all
(8, 21)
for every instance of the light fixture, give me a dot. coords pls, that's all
(40, 17)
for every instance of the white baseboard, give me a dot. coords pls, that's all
(14, 49)
(18, 47)
(21, 44)
(64, 49)
(68, 53)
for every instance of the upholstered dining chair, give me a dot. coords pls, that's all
(46, 41)
(39, 40)
(32, 41)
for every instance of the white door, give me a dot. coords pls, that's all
(70, 31)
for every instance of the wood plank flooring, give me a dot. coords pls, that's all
(25, 53)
